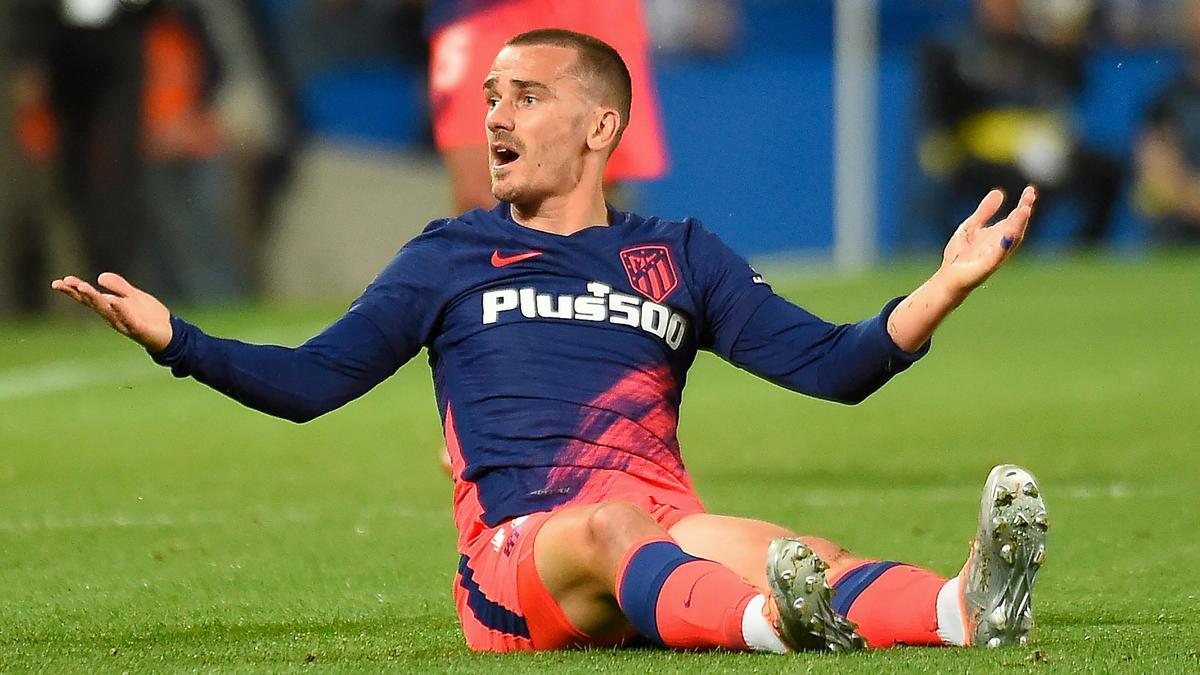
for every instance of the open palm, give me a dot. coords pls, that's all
(978, 249)
(128, 309)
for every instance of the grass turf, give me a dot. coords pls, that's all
(147, 524)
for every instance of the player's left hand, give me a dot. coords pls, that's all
(978, 249)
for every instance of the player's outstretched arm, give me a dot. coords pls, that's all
(131, 311)
(974, 252)
(393, 319)
(343, 362)
(788, 345)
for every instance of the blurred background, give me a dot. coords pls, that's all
(221, 150)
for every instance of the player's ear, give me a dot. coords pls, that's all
(604, 129)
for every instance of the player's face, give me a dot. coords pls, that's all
(537, 123)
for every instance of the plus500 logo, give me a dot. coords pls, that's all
(601, 304)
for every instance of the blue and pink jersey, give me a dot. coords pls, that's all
(559, 362)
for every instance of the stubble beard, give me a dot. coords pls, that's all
(504, 193)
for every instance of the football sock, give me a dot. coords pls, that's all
(952, 626)
(757, 629)
(681, 601)
(893, 603)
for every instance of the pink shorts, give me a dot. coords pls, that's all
(503, 605)
(462, 51)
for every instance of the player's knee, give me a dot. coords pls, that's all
(612, 527)
(838, 558)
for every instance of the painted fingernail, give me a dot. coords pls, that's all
(1006, 243)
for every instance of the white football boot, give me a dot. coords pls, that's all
(996, 583)
(806, 619)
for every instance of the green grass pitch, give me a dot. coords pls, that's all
(151, 524)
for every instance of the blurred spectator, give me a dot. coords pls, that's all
(998, 101)
(21, 235)
(466, 35)
(1167, 189)
(188, 175)
(117, 96)
(78, 71)
(256, 103)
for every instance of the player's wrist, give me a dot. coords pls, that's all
(948, 287)
(157, 343)
(943, 292)
(159, 338)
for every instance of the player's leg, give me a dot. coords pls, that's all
(470, 182)
(987, 604)
(890, 603)
(460, 54)
(741, 544)
(611, 565)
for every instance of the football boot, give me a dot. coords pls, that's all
(806, 620)
(996, 583)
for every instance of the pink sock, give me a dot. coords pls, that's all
(682, 601)
(893, 604)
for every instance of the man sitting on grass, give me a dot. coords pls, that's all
(560, 333)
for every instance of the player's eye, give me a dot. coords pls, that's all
(492, 101)
(529, 99)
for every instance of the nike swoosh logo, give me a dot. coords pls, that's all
(502, 261)
(687, 602)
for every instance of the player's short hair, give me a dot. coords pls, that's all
(595, 60)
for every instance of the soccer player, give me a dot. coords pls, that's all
(560, 332)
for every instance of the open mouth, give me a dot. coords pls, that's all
(503, 154)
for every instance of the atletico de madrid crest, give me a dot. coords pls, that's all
(651, 270)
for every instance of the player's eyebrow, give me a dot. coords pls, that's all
(491, 83)
(530, 84)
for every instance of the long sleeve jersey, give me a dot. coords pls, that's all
(558, 361)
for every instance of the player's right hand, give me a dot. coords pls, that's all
(128, 309)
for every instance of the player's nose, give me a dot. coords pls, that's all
(500, 117)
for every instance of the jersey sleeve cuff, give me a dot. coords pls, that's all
(176, 351)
